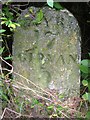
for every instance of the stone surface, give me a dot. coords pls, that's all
(48, 53)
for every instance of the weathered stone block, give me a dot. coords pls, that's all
(48, 53)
